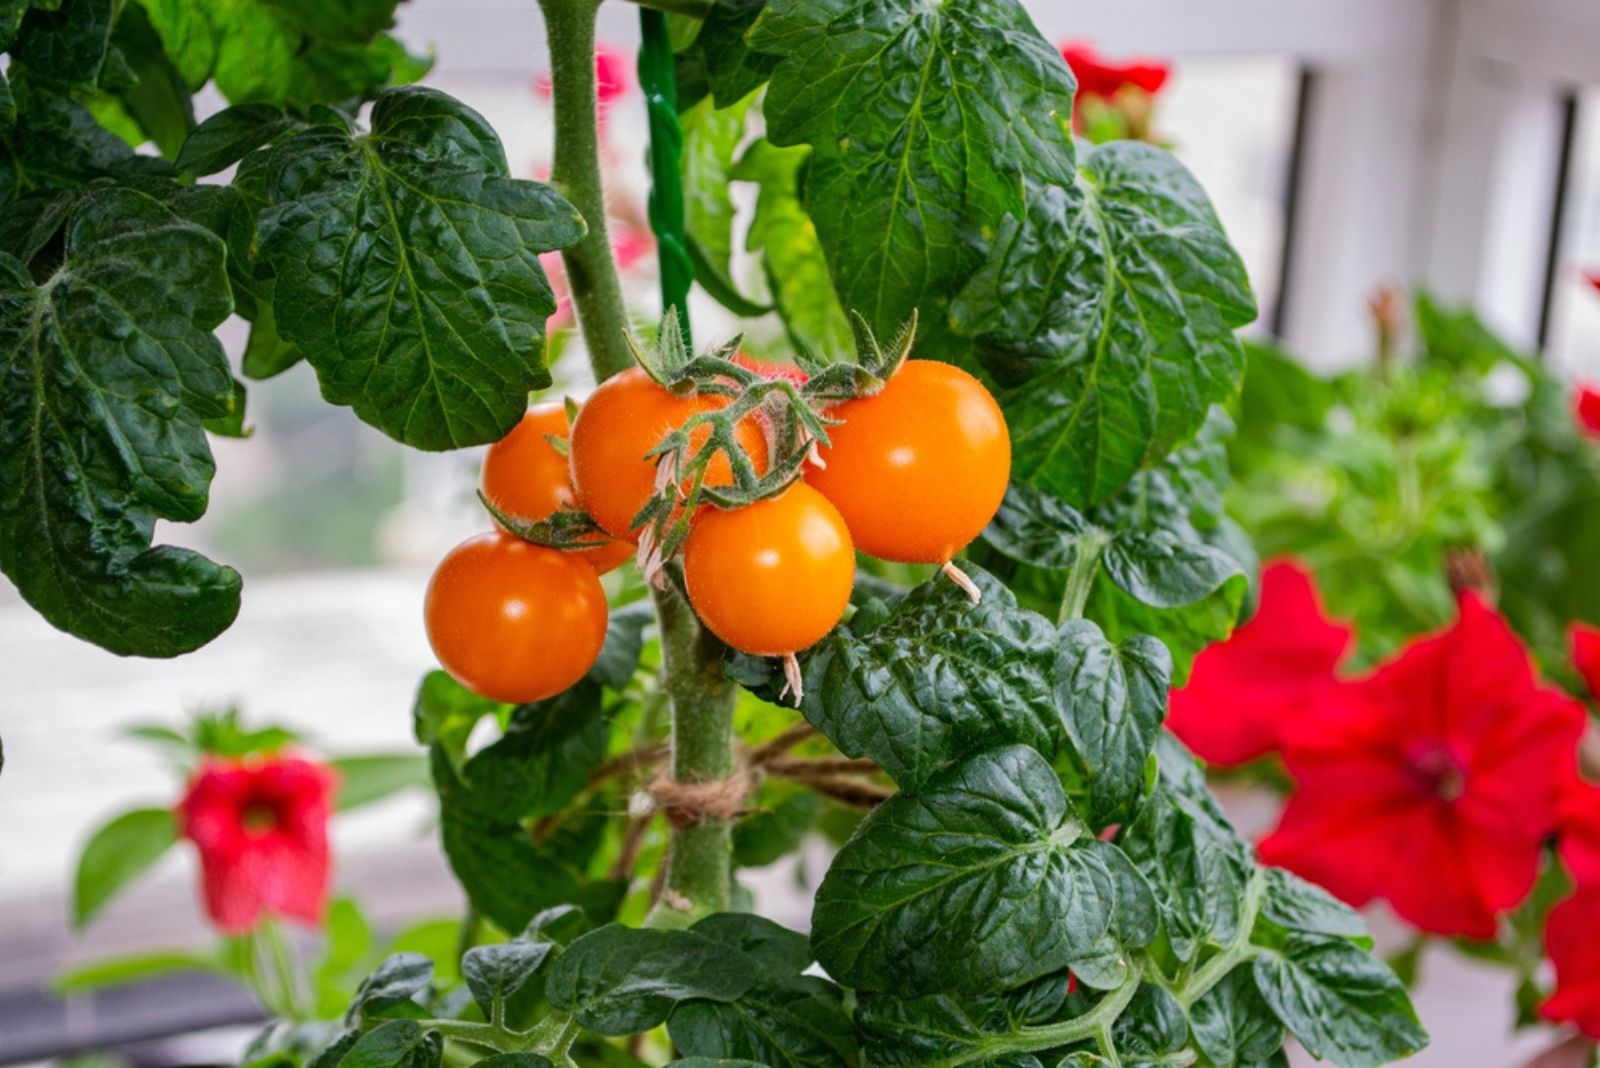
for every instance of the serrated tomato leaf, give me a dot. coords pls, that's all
(719, 61)
(1112, 699)
(1233, 1026)
(495, 973)
(231, 134)
(982, 880)
(107, 372)
(924, 121)
(937, 679)
(1343, 1004)
(1106, 312)
(785, 1020)
(624, 980)
(405, 267)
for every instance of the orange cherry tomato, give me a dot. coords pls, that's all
(623, 420)
(513, 621)
(918, 469)
(771, 578)
(524, 476)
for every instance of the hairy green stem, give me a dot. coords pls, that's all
(700, 860)
(1080, 579)
(591, 270)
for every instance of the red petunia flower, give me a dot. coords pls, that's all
(261, 826)
(1585, 644)
(1434, 783)
(1099, 77)
(1570, 942)
(1593, 278)
(1242, 692)
(1586, 408)
(1580, 833)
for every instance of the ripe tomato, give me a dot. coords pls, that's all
(524, 476)
(513, 621)
(919, 469)
(622, 421)
(771, 578)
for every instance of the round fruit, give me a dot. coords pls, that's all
(513, 621)
(623, 420)
(524, 476)
(918, 469)
(771, 578)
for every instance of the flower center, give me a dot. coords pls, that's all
(1438, 774)
(258, 818)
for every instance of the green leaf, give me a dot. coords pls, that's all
(350, 21)
(57, 144)
(373, 777)
(347, 941)
(445, 713)
(1233, 1025)
(721, 60)
(982, 880)
(769, 834)
(619, 656)
(266, 354)
(1153, 1025)
(624, 980)
(1163, 569)
(406, 269)
(711, 138)
(246, 46)
(946, 1029)
(120, 971)
(515, 1060)
(544, 758)
(1106, 313)
(399, 979)
(1340, 1002)
(395, 1044)
(1112, 699)
(1040, 530)
(1307, 909)
(109, 370)
(939, 678)
(159, 101)
(118, 853)
(507, 877)
(496, 973)
(232, 424)
(924, 122)
(231, 134)
(65, 47)
(791, 253)
(1197, 868)
(786, 1019)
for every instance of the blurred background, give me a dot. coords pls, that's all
(1346, 144)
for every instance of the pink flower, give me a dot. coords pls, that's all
(261, 826)
(610, 74)
(1586, 408)
(1242, 692)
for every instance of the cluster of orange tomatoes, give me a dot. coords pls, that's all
(911, 473)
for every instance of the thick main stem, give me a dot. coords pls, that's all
(591, 271)
(699, 869)
(700, 860)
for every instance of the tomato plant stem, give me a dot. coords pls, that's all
(1080, 579)
(700, 860)
(591, 270)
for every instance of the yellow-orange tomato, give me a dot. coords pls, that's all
(513, 621)
(524, 476)
(623, 420)
(773, 577)
(919, 469)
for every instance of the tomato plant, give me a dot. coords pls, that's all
(1029, 869)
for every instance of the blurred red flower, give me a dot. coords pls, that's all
(1100, 77)
(1593, 278)
(1433, 783)
(1570, 942)
(1580, 833)
(261, 826)
(1586, 408)
(1242, 692)
(1585, 643)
